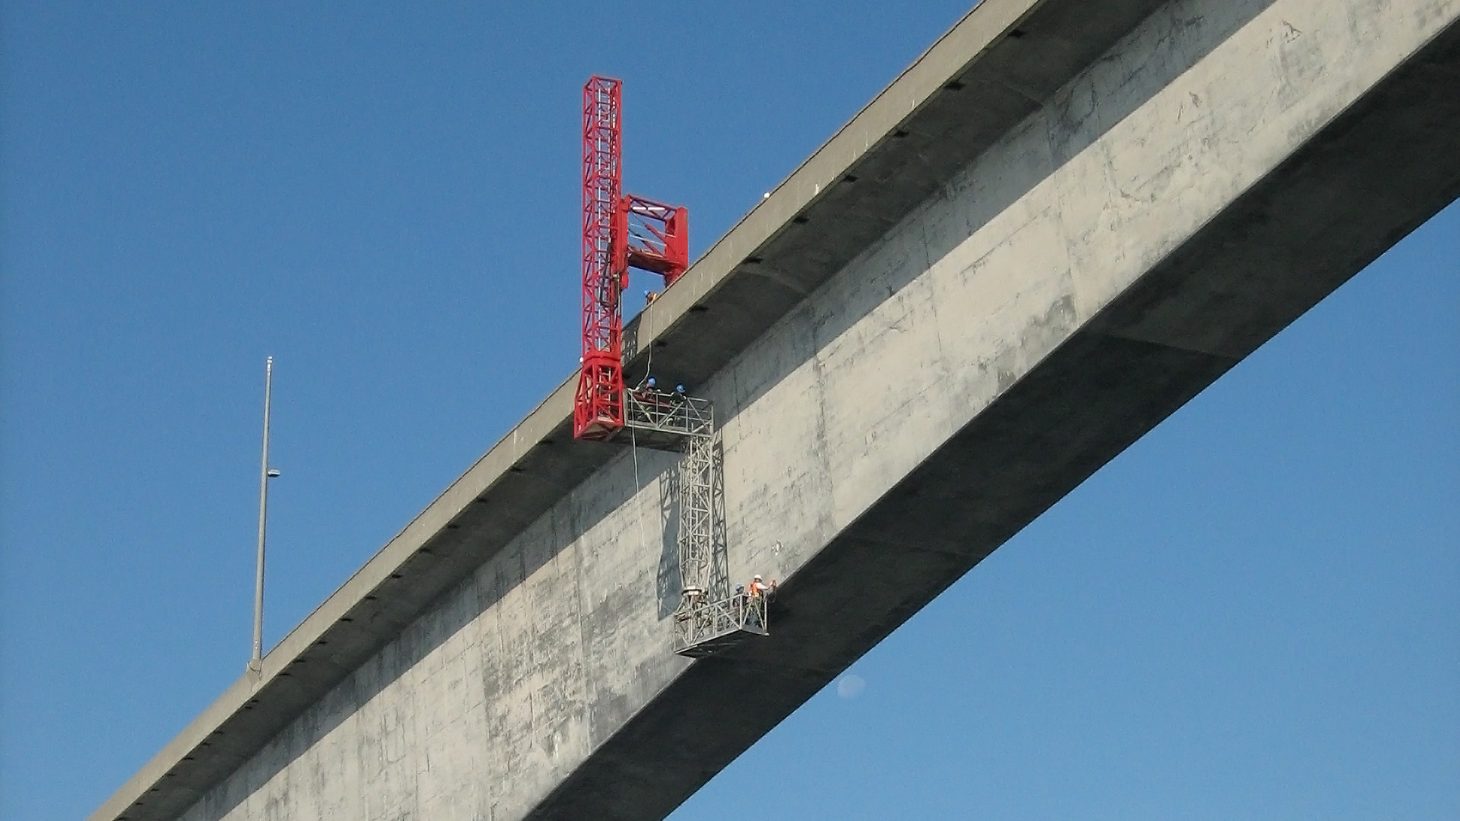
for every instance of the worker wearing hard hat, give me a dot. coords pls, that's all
(759, 588)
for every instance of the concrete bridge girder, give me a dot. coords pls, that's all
(1047, 235)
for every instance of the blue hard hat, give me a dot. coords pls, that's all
(650, 383)
(679, 389)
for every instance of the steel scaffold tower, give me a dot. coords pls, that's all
(696, 515)
(710, 617)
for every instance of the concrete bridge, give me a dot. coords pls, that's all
(1062, 222)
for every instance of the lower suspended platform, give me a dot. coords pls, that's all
(704, 628)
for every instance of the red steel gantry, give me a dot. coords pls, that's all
(620, 231)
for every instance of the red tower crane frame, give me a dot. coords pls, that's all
(620, 231)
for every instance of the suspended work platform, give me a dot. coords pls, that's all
(709, 618)
(663, 419)
(704, 628)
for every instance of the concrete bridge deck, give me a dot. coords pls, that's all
(1057, 226)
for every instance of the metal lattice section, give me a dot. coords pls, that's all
(697, 517)
(597, 408)
(709, 618)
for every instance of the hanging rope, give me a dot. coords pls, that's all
(634, 449)
(638, 490)
(638, 484)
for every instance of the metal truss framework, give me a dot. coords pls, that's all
(709, 618)
(620, 231)
(598, 409)
(696, 541)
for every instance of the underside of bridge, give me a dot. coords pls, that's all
(1060, 224)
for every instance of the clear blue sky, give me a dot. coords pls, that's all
(1253, 612)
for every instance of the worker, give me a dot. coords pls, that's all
(759, 588)
(649, 297)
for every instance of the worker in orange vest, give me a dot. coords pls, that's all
(759, 588)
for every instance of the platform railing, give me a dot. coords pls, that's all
(705, 627)
(667, 412)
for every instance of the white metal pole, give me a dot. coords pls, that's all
(258, 585)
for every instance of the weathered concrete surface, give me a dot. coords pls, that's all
(1080, 228)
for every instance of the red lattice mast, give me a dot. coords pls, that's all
(599, 410)
(619, 232)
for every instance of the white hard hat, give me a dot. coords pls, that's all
(757, 578)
